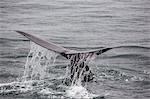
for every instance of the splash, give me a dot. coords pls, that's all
(37, 77)
(79, 92)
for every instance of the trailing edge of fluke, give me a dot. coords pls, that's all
(59, 49)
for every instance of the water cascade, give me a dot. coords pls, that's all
(36, 74)
(79, 69)
(38, 62)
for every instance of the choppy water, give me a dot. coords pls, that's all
(122, 73)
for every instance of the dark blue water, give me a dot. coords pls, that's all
(122, 73)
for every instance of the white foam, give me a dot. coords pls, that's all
(46, 91)
(78, 91)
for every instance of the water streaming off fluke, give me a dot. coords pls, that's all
(38, 62)
(38, 79)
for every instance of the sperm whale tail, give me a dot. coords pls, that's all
(78, 59)
(58, 49)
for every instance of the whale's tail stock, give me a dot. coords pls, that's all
(78, 59)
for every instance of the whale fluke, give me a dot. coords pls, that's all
(78, 64)
(57, 48)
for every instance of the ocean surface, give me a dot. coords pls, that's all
(121, 73)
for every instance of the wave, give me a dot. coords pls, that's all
(133, 46)
(115, 47)
(2, 40)
(7, 75)
(130, 56)
(14, 56)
